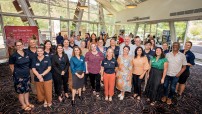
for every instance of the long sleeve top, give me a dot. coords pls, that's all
(77, 64)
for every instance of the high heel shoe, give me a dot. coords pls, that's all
(73, 102)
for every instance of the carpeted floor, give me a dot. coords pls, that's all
(191, 103)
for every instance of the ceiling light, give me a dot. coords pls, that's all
(131, 6)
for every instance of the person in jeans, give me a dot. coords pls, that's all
(93, 60)
(140, 67)
(108, 69)
(176, 66)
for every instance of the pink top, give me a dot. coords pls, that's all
(94, 62)
(140, 65)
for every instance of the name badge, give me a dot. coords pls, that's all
(37, 64)
(27, 56)
(45, 61)
(19, 57)
(105, 63)
(47, 55)
(82, 60)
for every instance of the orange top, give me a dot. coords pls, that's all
(140, 65)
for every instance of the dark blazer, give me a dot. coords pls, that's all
(57, 69)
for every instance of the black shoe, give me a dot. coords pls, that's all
(73, 102)
(81, 98)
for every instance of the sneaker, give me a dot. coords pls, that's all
(120, 95)
(106, 98)
(121, 98)
(169, 102)
(164, 99)
(110, 98)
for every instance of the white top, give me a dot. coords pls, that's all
(68, 52)
(77, 42)
(175, 63)
(132, 49)
(107, 44)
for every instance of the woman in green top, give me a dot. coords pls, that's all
(157, 73)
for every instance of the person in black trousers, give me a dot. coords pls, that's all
(60, 65)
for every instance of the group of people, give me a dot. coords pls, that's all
(124, 66)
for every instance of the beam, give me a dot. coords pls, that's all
(172, 31)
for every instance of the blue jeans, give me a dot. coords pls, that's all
(172, 81)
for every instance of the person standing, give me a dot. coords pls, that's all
(147, 51)
(59, 38)
(72, 43)
(10, 41)
(78, 40)
(124, 72)
(114, 47)
(78, 68)
(60, 65)
(41, 67)
(108, 69)
(190, 57)
(101, 48)
(67, 50)
(31, 51)
(156, 76)
(177, 65)
(93, 40)
(87, 38)
(48, 51)
(127, 42)
(140, 67)
(84, 51)
(19, 63)
(93, 67)
(165, 48)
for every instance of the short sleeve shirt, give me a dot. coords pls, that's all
(41, 66)
(175, 63)
(31, 54)
(21, 64)
(158, 64)
(150, 54)
(190, 57)
(109, 65)
(93, 62)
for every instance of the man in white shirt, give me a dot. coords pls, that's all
(78, 40)
(176, 66)
(127, 42)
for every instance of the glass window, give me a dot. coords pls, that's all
(43, 24)
(94, 17)
(14, 21)
(7, 6)
(162, 26)
(39, 9)
(56, 11)
(180, 29)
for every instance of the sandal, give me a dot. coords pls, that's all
(138, 98)
(30, 105)
(153, 103)
(135, 95)
(45, 105)
(26, 108)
